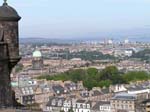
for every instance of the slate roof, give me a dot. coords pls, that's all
(124, 96)
(135, 88)
(58, 88)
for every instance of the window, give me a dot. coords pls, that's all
(130, 106)
(114, 105)
(88, 105)
(80, 105)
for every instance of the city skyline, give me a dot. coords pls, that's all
(69, 19)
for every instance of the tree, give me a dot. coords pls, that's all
(92, 72)
(91, 77)
(136, 75)
(104, 83)
(109, 72)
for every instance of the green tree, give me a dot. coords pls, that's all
(91, 77)
(104, 83)
(92, 72)
(136, 76)
(90, 83)
(109, 72)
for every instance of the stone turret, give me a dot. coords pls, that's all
(9, 47)
(9, 31)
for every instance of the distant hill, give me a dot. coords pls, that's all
(133, 36)
(48, 40)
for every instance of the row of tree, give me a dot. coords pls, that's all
(92, 77)
(86, 55)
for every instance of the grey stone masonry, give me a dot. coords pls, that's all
(9, 51)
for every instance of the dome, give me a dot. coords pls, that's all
(37, 54)
(7, 13)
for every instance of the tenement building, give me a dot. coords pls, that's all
(123, 102)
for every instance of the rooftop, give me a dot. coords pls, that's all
(124, 96)
(8, 13)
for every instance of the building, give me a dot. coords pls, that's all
(25, 95)
(55, 104)
(77, 105)
(42, 94)
(139, 90)
(69, 104)
(118, 88)
(145, 106)
(37, 61)
(83, 106)
(123, 102)
(101, 106)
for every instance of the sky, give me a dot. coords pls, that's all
(82, 18)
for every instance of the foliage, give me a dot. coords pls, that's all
(105, 83)
(136, 75)
(86, 55)
(143, 55)
(91, 77)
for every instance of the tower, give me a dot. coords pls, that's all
(9, 47)
(37, 61)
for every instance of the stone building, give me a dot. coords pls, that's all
(9, 47)
(123, 102)
(37, 61)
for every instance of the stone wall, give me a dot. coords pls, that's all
(5, 87)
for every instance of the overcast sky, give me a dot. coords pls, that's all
(79, 18)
